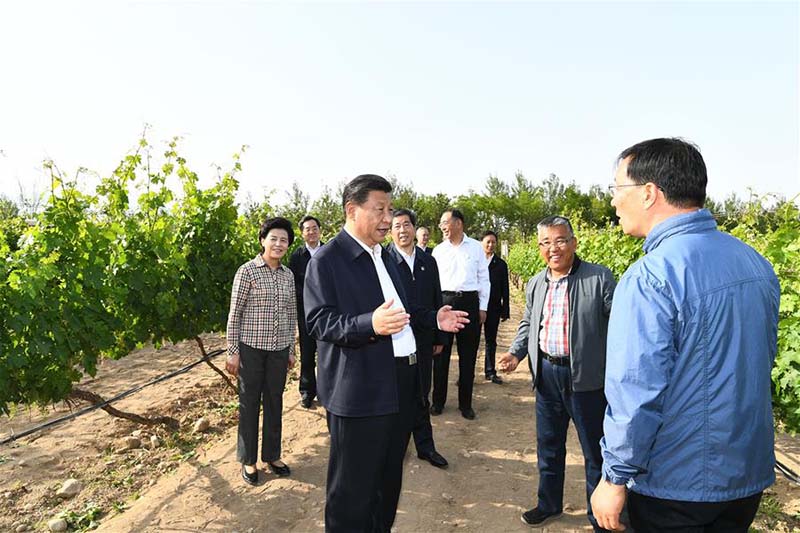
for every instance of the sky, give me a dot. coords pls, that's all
(439, 95)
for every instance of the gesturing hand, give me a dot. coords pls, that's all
(387, 320)
(450, 320)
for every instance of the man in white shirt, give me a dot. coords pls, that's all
(464, 278)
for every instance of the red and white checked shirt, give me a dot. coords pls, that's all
(554, 335)
(263, 312)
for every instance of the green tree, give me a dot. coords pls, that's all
(296, 205)
(328, 209)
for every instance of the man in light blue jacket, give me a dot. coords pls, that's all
(691, 342)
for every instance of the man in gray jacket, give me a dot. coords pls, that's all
(563, 330)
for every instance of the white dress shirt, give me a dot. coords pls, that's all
(409, 258)
(463, 267)
(403, 342)
(313, 251)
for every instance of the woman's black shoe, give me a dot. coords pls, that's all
(250, 479)
(280, 471)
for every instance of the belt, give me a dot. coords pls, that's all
(410, 359)
(558, 361)
(459, 294)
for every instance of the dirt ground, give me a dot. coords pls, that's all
(191, 481)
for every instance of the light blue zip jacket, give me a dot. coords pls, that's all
(691, 342)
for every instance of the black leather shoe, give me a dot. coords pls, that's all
(306, 401)
(280, 471)
(250, 479)
(469, 413)
(436, 410)
(496, 379)
(434, 458)
(535, 517)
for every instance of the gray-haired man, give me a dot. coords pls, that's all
(563, 330)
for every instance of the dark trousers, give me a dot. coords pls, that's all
(556, 404)
(652, 515)
(308, 361)
(423, 431)
(262, 378)
(490, 337)
(365, 468)
(468, 340)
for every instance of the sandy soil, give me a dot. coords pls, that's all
(191, 481)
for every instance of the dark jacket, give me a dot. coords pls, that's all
(423, 289)
(590, 288)
(356, 368)
(498, 295)
(298, 262)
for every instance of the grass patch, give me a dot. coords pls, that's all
(85, 519)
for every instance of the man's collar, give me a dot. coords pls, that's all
(463, 238)
(395, 252)
(402, 252)
(353, 245)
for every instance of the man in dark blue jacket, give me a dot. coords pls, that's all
(498, 309)
(421, 283)
(367, 377)
(310, 230)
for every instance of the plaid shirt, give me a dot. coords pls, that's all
(263, 311)
(554, 337)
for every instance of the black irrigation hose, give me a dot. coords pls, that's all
(790, 474)
(119, 396)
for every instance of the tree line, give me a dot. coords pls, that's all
(149, 255)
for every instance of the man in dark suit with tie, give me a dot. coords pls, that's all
(310, 230)
(498, 309)
(421, 283)
(367, 377)
(423, 237)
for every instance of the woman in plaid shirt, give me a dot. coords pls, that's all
(261, 326)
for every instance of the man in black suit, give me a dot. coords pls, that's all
(423, 236)
(421, 283)
(498, 309)
(310, 230)
(367, 376)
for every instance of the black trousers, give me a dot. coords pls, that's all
(423, 431)
(308, 360)
(262, 378)
(653, 515)
(490, 337)
(468, 340)
(365, 468)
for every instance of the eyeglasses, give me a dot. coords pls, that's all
(613, 188)
(559, 243)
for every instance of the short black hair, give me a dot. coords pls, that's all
(555, 220)
(359, 188)
(306, 219)
(455, 213)
(406, 212)
(490, 232)
(674, 165)
(276, 223)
